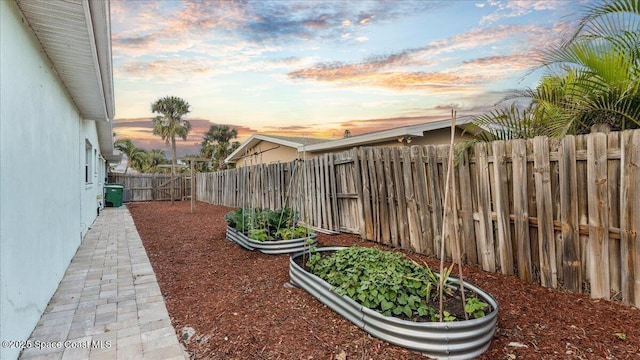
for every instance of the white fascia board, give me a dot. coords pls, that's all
(278, 141)
(88, 16)
(101, 30)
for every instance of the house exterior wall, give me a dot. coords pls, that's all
(45, 204)
(272, 153)
(91, 191)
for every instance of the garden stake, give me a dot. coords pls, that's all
(444, 227)
(454, 209)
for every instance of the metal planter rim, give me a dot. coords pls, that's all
(464, 339)
(271, 247)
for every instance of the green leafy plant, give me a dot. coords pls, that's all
(475, 307)
(380, 280)
(267, 225)
(292, 233)
(259, 235)
(282, 218)
(387, 282)
(238, 220)
(445, 316)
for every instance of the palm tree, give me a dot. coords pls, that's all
(593, 77)
(600, 66)
(140, 160)
(217, 144)
(157, 157)
(134, 154)
(170, 124)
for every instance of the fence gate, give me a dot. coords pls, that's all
(347, 189)
(152, 187)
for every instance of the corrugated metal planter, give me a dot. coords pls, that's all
(271, 247)
(465, 339)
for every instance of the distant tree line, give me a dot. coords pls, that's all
(218, 142)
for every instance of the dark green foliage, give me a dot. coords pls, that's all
(259, 234)
(475, 307)
(383, 281)
(267, 225)
(282, 218)
(289, 233)
(238, 220)
(380, 280)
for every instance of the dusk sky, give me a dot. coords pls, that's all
(316, 68)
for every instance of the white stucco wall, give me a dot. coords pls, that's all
(90, 191)
(45, 206)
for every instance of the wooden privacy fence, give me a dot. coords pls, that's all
(152, 186)
(323, 189)
(563, 213)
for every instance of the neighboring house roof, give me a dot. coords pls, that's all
(389, 134)
(76, 37)
(371, 138)
(298, 140)
(255, 139)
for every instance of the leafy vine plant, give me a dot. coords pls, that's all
(266, 225)
(388, 283)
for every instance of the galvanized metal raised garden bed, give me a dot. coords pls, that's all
(465, 339)
(271, 247)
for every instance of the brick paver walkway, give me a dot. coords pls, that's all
(109, 304)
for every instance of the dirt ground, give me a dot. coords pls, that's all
(239, 305)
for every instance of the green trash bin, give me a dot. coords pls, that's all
(113, 195)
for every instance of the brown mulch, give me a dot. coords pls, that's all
(238, 304)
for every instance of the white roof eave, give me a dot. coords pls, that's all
(83, 60)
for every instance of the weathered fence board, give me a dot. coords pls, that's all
(391, 197)
(546, 238)
(485, 237)
(630, 217)
(420, 181)
(415, 229)
(466, 210)
(569, 215)
(613, 186)
(403, 219)
(501, 203)
(520, 209)
(434, 196)
(598, 247)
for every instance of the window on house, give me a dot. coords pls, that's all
(88, 162)
(100, 169)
